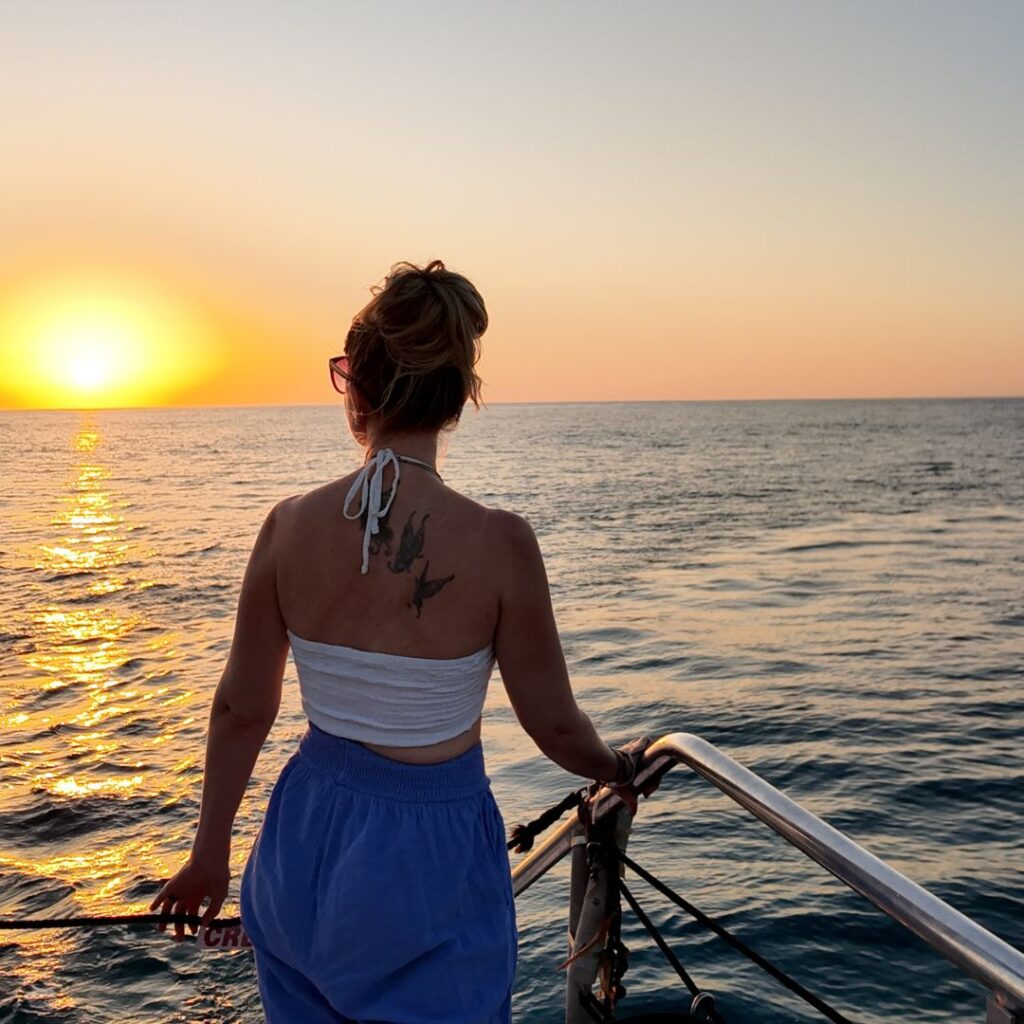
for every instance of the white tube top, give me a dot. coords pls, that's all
(390, 699)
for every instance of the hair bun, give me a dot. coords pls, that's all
(420, 333)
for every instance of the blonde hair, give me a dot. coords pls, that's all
(413, 348)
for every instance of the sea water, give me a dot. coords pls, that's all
(831, 592)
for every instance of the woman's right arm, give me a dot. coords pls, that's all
(532, 664)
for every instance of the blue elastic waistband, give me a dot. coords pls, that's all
(352, 765)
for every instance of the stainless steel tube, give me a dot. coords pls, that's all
(984, 956)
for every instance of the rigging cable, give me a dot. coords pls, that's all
(522, 837)
(738, 944)
(89, 922)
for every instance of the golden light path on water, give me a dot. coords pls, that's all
(79, 648)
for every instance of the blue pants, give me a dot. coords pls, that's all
(378, 891)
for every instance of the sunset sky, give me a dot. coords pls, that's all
(662, 200)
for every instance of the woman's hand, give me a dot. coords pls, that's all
(198, 880)
(634, 751)
(636, 747)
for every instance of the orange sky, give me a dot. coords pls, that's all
(659, 201)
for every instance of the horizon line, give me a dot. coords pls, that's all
(595, 401)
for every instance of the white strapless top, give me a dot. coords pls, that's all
(390, 699)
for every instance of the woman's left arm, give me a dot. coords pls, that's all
(244, 708)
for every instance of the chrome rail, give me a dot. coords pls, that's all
(982, 955)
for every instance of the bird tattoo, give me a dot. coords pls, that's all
(410, 545)
(424, 588)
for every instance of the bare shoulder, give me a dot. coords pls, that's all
(512, 531)
(285, 511)
(287, 518)
(497, 528)
(501, 539)
(297, 508)
(516, 550)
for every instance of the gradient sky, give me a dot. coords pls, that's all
(657, 200)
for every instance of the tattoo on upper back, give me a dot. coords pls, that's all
(410, 548)
(410, 545)
(424, 588)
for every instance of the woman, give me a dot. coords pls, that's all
(378, 887)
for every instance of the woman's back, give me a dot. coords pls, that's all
(430, 592)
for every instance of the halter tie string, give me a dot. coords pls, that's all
(369, 485)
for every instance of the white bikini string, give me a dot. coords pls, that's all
(369, 484)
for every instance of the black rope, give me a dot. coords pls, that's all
(738, 944)
(659, 939)
(522, 837)
(90, 922)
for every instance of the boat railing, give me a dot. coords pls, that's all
(998, 966)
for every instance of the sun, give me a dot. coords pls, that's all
(89, 340)
(89, 369)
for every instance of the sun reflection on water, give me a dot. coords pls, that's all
(92, 535)
(87, 672)
(80, 646)
(73, 787)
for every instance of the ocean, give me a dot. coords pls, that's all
(830, 591)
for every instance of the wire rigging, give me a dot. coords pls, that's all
(92, 922)
(738, 944)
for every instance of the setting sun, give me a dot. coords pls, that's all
(89, 369)
(81, 341)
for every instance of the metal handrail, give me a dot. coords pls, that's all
(982, 955)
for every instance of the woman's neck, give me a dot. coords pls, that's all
(418, 445)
